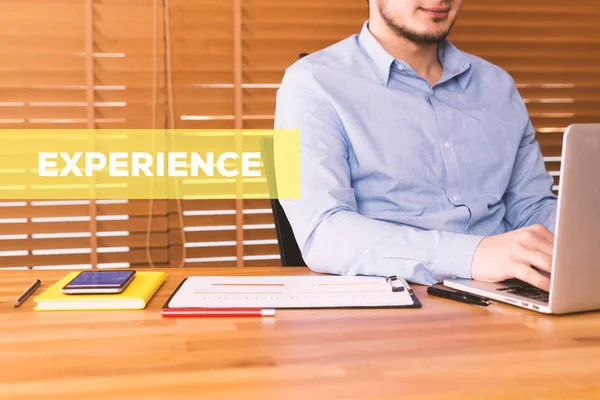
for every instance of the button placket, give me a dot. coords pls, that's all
(448, 154)
(449, 157)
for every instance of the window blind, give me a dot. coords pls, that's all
(225, 61)
(44, 82)
(551, 48)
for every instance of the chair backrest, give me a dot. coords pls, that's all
(290, 253)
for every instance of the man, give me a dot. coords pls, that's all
(417, 159)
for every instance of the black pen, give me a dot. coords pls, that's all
(458, 296)
(28, 292)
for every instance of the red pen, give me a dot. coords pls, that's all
(218, 312)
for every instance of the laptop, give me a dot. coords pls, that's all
(575, 277)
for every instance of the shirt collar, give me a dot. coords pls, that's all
(380, 60)
(455, 64)
(453, 61)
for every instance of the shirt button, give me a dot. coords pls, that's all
(446, 145)
(455, 198)
(400, 67)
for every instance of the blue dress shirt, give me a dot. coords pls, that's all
(399, 177)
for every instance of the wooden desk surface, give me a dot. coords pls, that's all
(445, 350)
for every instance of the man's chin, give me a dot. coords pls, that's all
(433, 31)
(428, 34)
(428, 38)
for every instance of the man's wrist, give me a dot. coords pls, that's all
(455, 258)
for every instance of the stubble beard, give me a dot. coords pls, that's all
(411, 35)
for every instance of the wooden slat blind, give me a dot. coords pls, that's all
(552, 50)
(550, 47)
(43, 85)
(202, 62)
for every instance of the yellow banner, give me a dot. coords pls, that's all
(149, 164)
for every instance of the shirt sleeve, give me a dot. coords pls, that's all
(333, 237)
(529, 199)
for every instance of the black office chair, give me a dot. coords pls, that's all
(290, 253)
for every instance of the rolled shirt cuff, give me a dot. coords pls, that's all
(455, 256)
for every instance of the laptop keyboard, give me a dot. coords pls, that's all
(525, 290)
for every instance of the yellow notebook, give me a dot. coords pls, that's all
(135, 297)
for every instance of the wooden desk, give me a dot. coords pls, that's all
(445, 350)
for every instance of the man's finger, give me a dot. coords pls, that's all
(543, 232)
(531, 276)
(538, 243)
(536, 259)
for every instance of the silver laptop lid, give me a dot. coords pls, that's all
(575, 282)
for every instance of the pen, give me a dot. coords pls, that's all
(27, 292)
(458, 296)
(218, 312)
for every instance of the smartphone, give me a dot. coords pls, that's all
(99, 282)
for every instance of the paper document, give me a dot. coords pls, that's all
(288, 292)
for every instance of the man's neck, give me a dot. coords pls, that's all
(423, 59)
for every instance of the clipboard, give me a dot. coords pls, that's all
(292, 292)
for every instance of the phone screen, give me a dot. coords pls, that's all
(100, 279)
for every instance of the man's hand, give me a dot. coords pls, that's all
(513, 254)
